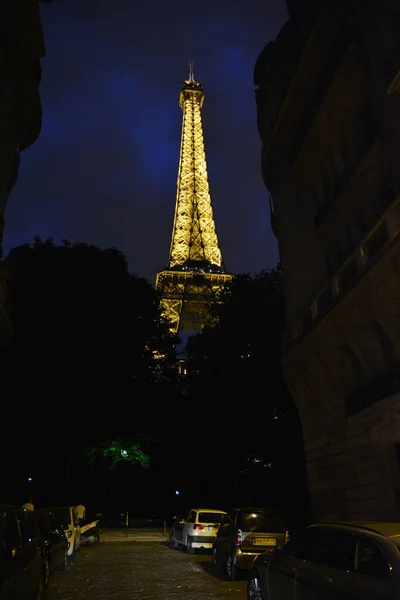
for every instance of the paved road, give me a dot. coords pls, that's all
(142, 571)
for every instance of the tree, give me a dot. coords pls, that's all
(236, 376)
(242, 351)
(112, 452)
(83, 363)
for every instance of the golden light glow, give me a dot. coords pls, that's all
(195, 272)
(194, 236)
(186, 297)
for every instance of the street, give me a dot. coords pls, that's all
(142, 570)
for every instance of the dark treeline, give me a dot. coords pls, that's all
(84, 366)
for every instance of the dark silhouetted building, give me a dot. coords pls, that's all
(328, 100)
(21, 48)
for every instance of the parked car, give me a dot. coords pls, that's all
(55, 539)
(245, 533)
(69, 520)
(197, 529)
(23, 565)
(336, 561)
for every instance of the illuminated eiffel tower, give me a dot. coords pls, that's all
(195, 272)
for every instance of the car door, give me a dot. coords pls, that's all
(224, 534)
(187, 528)
(178, 527)
(282, 566)
(12, 582)
(57, 540)
(32, 562)
(330, 566)
(372, 569)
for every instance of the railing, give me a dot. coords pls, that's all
(351, 271)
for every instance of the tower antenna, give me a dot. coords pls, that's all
(191, 71)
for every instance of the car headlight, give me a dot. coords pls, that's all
(68, 534)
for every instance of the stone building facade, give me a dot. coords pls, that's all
(21, 48)
(328, 100)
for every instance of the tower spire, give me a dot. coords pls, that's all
(191, 71)
(195, 271)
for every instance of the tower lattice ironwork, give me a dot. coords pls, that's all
(195, 273)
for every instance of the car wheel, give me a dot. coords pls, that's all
(93, 538)
(189, 546)
(172, 541)
(40, 589)
(230, 569)
(253, 588)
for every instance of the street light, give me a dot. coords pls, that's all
(29, 479)
(176, 492)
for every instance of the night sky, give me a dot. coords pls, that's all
(104, 169)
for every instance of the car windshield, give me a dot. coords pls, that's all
(63, 517)
(262, 522)
(208, 517)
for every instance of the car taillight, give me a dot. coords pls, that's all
(239, 538)
(287, 537)
(198, 527)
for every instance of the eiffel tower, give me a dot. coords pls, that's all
(195, 272)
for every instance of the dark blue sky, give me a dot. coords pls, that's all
(104, 169)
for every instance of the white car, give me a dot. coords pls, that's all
(68, 518)
(198, 529)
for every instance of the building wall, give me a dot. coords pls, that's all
(331, 160)
(20, 110)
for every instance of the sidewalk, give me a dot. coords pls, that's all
(134, 535)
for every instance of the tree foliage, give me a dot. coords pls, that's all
(112, 452)
(250, 318)
(84, 324)
(235, 375)
(85, 360)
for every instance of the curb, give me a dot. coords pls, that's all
(133, 535)
(129, 540)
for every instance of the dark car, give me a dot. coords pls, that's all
(244, 533)
(23, 564)
(55, 539)
(334, 561)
